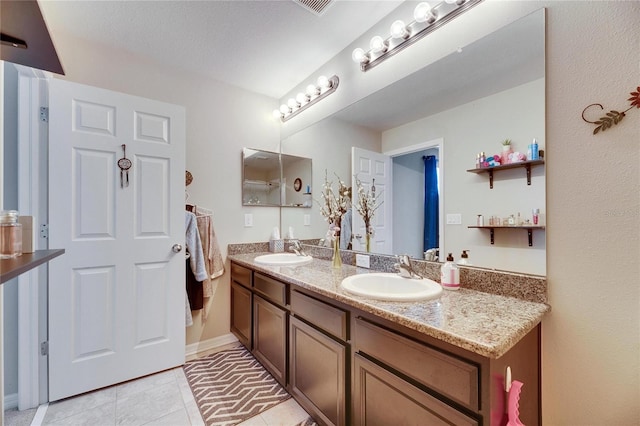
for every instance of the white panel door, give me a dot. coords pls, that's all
(116, 298)
(373, 168)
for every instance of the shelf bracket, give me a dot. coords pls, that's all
(492, 235)
(491, 180)
(530, 234)
(529, 177)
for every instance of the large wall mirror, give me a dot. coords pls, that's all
(465, 103)
(272, 179)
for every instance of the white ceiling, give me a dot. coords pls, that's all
(265, 46)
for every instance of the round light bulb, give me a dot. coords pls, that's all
(277, 114)
(284, 109)
(378, 44)
(359, 56)
(302, 98)
(323, 82)
(399, 29)
(292, 103)
(312, 90)
(423, 13)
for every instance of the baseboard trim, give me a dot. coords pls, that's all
(194, 349)
(11, 401)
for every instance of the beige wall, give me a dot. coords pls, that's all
(591, 340)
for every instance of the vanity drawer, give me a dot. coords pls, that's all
(273, 290)
(452, 377)
(324, 316)
(241, 275)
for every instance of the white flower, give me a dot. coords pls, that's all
(367, 205)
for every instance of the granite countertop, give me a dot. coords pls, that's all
(483, 323)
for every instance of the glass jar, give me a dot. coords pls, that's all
(10, 234)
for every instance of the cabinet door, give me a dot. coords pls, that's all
(318, 373)
(270, 337)
(382, 398)
(241, 314)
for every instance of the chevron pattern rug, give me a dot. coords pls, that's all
(231, 386)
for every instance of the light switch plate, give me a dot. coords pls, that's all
(454, 219)
(307, 219)
(248, 220)
(362, 260)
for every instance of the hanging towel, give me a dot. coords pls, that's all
(210, 247)
(212, 255)
(196, 271)
(188, 319)
(194, 245)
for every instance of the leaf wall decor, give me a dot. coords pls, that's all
(612, 117)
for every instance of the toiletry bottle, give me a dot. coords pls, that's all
(464, 258)
(536, 215)
(450, 275)
(534, 150)
(10, 235)
(483, 158)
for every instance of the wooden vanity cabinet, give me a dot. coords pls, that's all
(318, 356)
(270, 325)
(411, 378)
(350, 367)
(241, 304)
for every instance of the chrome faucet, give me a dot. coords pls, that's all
(297, 248)
(404, 267)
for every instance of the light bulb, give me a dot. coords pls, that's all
(292, 103)
(323, 82)
(359, 56)
(277, 114)
(312, 90)
(424, 13)
(378, 44)
(302, 98)
(399, 29)
(284, 109)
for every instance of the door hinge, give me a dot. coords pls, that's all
(44, 230)
(44, 114)
(44, 348)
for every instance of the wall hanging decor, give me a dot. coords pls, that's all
(613, 116)
(125, 164)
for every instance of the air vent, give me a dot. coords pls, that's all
(315, 6)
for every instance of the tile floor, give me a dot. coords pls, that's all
(160, 399)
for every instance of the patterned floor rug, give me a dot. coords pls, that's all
(231, 386)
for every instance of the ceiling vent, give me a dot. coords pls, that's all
(315, 6)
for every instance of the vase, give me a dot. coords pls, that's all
(368, 242)
(506, 150)
(336, 260)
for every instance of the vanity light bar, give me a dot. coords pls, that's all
(426, 20)
(314, 93)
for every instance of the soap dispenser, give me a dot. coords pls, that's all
(450, 274)
(464, 258)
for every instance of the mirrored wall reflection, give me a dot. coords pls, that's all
(272, 179)
(471, 100)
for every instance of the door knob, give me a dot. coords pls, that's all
(177, 248)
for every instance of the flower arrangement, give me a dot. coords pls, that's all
(334, 205)
(368, 203)
(506, 142)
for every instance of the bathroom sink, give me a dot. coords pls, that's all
(391, 287)
(282, 259)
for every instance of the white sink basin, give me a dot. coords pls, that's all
(391, 287)
(283, 259)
